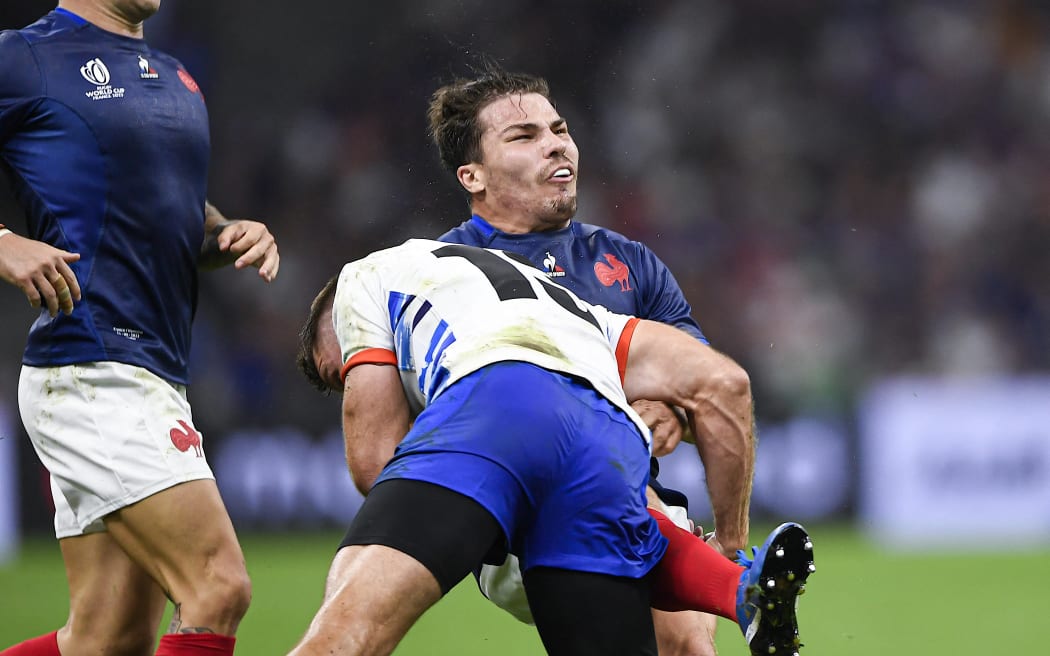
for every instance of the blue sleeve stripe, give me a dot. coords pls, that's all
(430, 376)
(396, 304)
(423, 309)
(439, 334)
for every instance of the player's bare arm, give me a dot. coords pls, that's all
(41, 271)
(240, 242)
(376, 418)
(667, 364)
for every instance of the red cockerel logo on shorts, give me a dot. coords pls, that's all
(185, 438)
(615, 271)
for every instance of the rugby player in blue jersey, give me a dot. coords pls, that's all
(508, 147)
(107, 144)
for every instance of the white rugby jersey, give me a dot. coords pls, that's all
(441, 311)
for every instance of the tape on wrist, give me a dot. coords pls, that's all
(3, 232)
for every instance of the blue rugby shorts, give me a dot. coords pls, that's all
(560, 467)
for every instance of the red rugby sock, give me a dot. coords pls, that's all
(693, 575)
(45, 645)
(195, 644)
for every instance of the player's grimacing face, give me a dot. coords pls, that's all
(528, 157)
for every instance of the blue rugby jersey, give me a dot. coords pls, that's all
(108, 143)
(603, 268)
(600, 266)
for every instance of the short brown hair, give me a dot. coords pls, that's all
(308, 334)
(454, 108)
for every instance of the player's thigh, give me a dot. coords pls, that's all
(374, 594)
(181, 536)
(113, 603)
(584, 613)
(685, 633)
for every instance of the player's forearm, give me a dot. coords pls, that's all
(667, 364)
(370, 443)
(376, 418)
(725, 417)
(212, 257)
(727, 448)
(365, 463)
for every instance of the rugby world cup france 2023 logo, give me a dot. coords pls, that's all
(96, 73)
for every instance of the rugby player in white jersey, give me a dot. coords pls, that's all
(524, 442)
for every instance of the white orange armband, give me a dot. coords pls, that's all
(368, 356)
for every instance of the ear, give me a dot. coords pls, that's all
(472, 177)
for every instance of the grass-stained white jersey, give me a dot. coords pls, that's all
(439, 311)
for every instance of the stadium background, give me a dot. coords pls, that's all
(853, 195)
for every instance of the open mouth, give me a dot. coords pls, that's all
(562, 174)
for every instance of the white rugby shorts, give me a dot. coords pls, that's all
(110, 434)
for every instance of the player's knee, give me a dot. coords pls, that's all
(231, 591)
(221, 596)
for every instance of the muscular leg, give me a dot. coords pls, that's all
(685, 633)
(115, 607)
(376, 590)
(373, 596)
(183, 539)
(178, 541)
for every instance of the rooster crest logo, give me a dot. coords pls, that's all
(185, 438)
(146, 72)
(614, 271)
(554, 270)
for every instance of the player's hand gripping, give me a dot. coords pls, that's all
(712, 541)
(253, 245)
(664, 423)
(41, 271)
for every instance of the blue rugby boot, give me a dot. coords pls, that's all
(773, 578)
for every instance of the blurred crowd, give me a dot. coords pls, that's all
(845, 189)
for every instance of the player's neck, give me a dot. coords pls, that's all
(519, 224)
(104, 17)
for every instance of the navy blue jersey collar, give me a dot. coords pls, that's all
(481, 224)
(134, 41)
(489, 231)
(65, 12)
